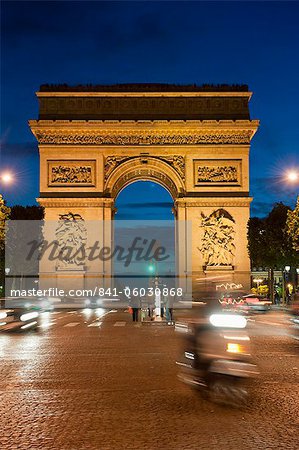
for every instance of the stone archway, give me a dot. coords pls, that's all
(193, 141)
(143, 167)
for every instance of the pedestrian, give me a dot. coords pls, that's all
(135, 314)
(168, 310)
(135, 308)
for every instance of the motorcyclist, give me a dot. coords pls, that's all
(198, 326)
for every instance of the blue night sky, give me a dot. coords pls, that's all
(255, 43)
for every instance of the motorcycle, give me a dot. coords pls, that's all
(217, 360)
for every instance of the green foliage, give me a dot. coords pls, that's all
(15, 213)
(269, 244)
(4, 214)
(293, 226)
(256, 241)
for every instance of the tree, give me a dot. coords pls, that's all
(14, 213)
(257, 241)
(293, 226)
(4, 214)
(269, 244)
(17, 241)
(19, 212)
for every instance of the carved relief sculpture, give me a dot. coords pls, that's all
(71, 236)
(218, 248)
(217, 172)
(176, 161)
(176, 137)
(111, 163)
(224, 174)
(71, 173)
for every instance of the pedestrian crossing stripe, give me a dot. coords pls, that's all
(95, 324)
(72, 324)
(119, 324)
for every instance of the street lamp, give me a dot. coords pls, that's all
(6, 178)
(292, 176)
(284, 282)
(257, 281)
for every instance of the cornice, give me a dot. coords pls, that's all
(158, 132)
(246, 94)
(213, 202)
(139, 123)
(75, 202)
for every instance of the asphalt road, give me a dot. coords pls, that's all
(97, 381)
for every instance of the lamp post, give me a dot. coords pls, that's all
(286, 271)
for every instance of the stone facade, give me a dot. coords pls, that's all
(194, 143)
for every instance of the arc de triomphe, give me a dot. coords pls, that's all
(94, 141)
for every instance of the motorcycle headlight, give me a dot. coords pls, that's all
(232, 347)
(28, 316)
(228, 321)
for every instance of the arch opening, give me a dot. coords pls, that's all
(144, 169)
(144, 215)
(144, 199)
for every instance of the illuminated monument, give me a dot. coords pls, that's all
(194, 141)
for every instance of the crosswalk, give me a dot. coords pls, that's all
(94, 324)
(48, 320)
(78, 319)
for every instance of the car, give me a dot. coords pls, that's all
(36, 303)
(256, 304)
(19, 319)
(294, 308)
(47, 303)
(93, 302)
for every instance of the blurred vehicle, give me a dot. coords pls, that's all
(255, 303)
(101, 302)
(294, 308)
(216, 358)
(36, 303)
(294, 311)
(48, 303)
(93, 302)
(295, 327)
(231, 301)
(250, 303)
(19, 319)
